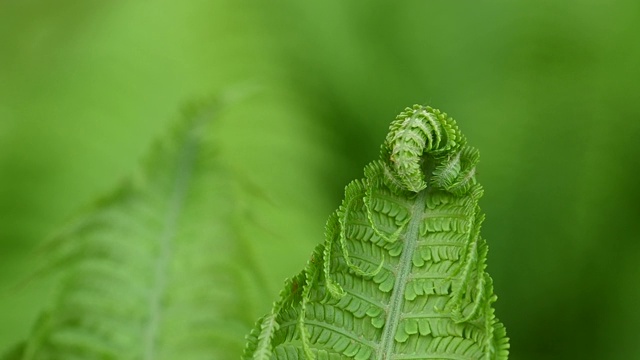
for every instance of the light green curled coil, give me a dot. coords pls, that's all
(401, 274)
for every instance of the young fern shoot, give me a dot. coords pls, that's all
(401, 274)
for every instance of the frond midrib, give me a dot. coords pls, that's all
(405, 264)
(186, 164)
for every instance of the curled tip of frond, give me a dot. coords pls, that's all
(457, 171)
(415, 132)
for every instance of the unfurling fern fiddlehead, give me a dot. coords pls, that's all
(401, 274)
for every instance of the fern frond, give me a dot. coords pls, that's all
(160, 269)
(401, 274)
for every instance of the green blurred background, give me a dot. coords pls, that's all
(549, 91)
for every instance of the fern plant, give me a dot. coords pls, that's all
(160, 269)
(401, 274)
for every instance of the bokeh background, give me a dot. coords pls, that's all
(549, 91)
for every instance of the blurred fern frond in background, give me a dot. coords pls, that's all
(162, 268)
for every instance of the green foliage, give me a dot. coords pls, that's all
(548, 90)
(160, 269)
(402, 271)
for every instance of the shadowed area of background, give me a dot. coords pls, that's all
(548, 91)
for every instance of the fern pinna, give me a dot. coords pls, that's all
(401, 274)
